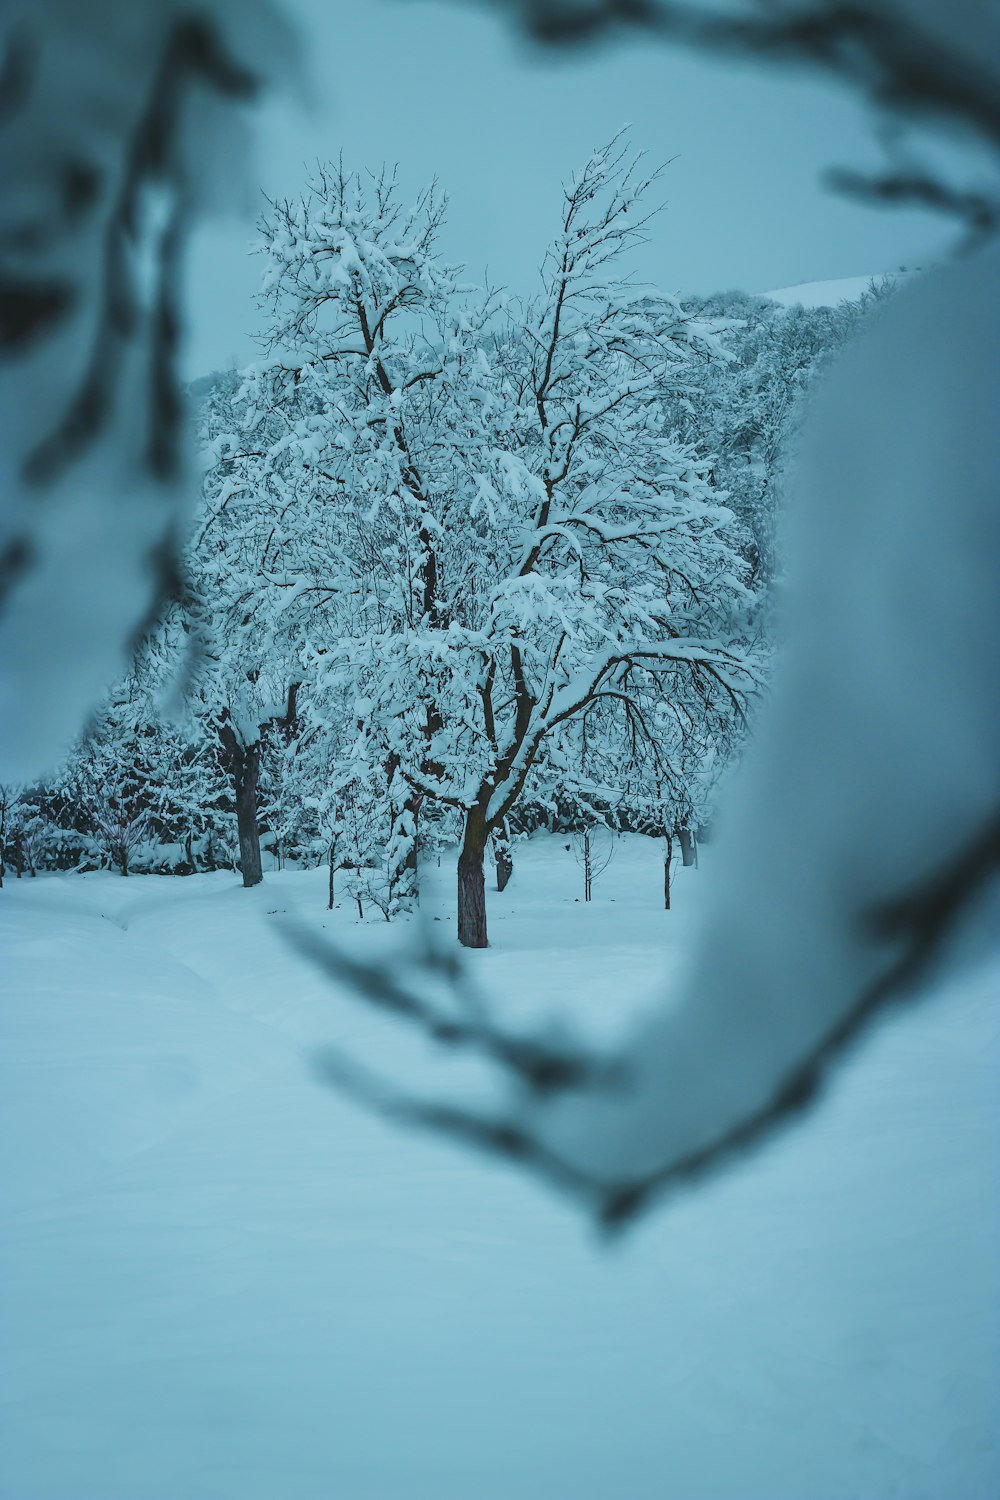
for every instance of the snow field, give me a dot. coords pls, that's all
(222, 1281)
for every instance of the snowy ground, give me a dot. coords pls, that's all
(219, 1279)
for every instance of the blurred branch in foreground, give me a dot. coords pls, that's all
(919, 62)
(913, 57)
(115, 134)
(860, 859)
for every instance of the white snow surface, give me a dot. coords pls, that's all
(822, 293)
(219, 1280)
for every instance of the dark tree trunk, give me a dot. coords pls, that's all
(688, 849)
(667, 858)
(411, 866)
(246, 817)
(404, 876)
(244, 767)
(333, 866)
(472, 884)
(504, 857)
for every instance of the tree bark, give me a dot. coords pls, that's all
(244, 767)
(246, 816)
(688, 856)
(472, 883)
(333, 866)
(404, 875)
(667, 858)
(504, 859)
(413, 862)
(411, 867)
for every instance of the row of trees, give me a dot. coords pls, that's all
(463, 562)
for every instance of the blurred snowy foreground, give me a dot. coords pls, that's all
(218, 1278)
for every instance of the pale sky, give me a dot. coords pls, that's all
(451, 91)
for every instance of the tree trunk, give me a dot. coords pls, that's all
(504, 858)
(668, 855)
(246, 816)
(333, 866)
(410, 882)
(244, 767)
(404, 874)
(688, 855)
(472, 884)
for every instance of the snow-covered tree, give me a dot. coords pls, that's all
(108, 777)
(8, 800)
(476, 514)
(746, 409)
(246, 677)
